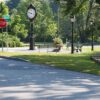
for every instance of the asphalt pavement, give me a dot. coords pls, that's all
(25, 81)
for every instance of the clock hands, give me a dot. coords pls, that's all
(30, 12)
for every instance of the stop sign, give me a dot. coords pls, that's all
(3, 23)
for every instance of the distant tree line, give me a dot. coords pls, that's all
(53, 19)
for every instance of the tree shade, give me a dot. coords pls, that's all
(98, 1)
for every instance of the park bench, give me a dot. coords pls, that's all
(78, 47)
(56, 50)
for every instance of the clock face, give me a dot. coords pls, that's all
(31, 13)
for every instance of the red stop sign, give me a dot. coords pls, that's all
(3, 23)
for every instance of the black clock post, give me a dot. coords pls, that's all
(31, 37)
(31, 14)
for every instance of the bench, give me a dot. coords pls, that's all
(57, 49)
(78, 48)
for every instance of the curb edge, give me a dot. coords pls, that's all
(14, 58)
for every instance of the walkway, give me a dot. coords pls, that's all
(25, 81)
(26, 49)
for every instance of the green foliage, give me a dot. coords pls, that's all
(79, 8)
(58, 42)
(98, 1)
(17, 28)
(45, 24)
(15, 42)
(52, 29)
(72, 7)
(5, 10)
(77, 62)
(9, 40)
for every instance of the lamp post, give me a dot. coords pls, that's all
(92, 35)
(72, 18)
(31, 14)
(3, 23)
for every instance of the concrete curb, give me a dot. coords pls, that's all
(14, 58)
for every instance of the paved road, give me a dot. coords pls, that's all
(25, 81)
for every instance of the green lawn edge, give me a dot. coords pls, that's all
(76, 62)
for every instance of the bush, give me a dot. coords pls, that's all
(11, 41)
(58, 43)
(14, 42)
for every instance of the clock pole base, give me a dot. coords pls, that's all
(31, 44)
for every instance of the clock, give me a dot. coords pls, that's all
(31, 12)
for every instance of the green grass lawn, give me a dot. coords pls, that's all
(77, 62)
(88, 48)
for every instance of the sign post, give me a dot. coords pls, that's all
(3, 24)
(8, 19)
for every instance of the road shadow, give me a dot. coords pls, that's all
(25, 81)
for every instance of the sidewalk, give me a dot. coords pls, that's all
(26, 49)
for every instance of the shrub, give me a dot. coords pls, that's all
(15, 42)
(58, 43)
(11, 41)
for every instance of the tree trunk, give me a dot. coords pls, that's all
(89, 12)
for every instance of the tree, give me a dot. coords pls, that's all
(4, 9)
(72, 6)
(44, 19)
(17, 28)
(98, 1)
(83, 10)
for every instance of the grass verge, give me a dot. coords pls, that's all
(76, 62)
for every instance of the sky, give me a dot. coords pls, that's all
(1, 0)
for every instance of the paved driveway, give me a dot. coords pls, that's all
(25, 81)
